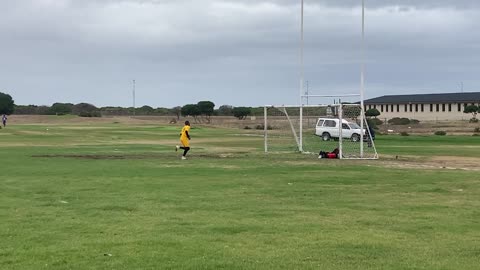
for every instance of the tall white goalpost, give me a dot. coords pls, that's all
(324, 128)
(298, 119)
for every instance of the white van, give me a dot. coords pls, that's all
(328, 128)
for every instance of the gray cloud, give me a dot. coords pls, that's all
(230, 52)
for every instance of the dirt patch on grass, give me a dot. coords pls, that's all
(467, 163)
(105, 157)
(75, 120)
(130, 156)
(438, 162)
(453, 127)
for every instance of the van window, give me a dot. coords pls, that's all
(345, 126)
(330, 123)
(320, 123)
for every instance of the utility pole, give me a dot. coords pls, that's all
(133, 97)
(302, 75)
(306, 91)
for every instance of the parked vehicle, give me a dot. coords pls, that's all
(328, 128)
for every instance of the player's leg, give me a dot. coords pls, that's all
(185, 147)
(182, 145)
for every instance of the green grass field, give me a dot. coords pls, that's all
(113, 196)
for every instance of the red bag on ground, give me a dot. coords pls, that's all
(331, 155)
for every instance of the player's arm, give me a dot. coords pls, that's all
(188, 135)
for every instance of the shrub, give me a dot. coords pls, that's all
(399, 121)
(241, 112)
(247, 127)
(476, 134)
(372, 113)
(414, 121)
(477, 130)
(61, 108)
(375, 122)
(440, 133)
(262, 127)
(90, 114)
(473, 109)
(404, 133)
(473, 120)
(86, 110)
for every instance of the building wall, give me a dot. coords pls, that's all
(423, 112)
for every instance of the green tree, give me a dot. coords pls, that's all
(351, 112)
(225, 110)
(7, 105)
(259, 111)
(206, 108)
(241, 112)
(145, 110)
(26, 110)
(177, 111)
(191, 110)
(86, 110)
(61, 108)
(109, 110)
(162, 111)
(372, 113)
(42, 110)
(473, 109)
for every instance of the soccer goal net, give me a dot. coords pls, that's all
(315, 128)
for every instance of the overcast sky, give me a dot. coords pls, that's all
(237, 52)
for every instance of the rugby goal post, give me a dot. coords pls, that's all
(315, 128)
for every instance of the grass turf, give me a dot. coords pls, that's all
(112, 196)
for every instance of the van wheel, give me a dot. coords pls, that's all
(355, 138)
(326, 136)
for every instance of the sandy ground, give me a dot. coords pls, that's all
(451, 127)
(438, 162)
(71, 120)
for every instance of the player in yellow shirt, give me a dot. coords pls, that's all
(184, 140)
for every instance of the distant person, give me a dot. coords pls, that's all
(334, 154)
(371, 137)
(184, 140)
(4, 120)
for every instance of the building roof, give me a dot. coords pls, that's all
(427, 98)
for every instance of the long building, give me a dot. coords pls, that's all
(447, 106)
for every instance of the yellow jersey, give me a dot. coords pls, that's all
(183, 134)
